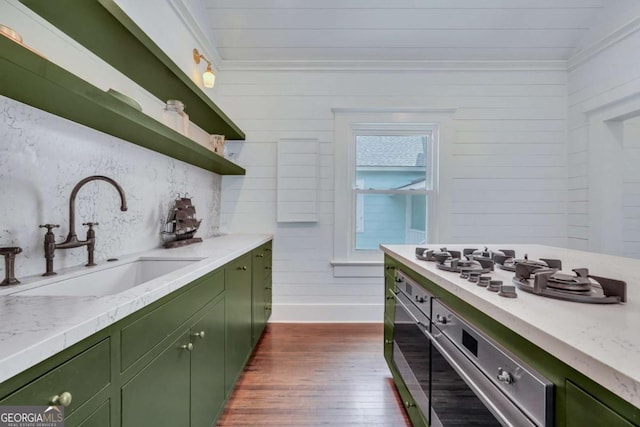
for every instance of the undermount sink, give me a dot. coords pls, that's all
(109, 280)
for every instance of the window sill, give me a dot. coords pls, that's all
(357, 268)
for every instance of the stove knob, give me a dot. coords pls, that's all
(420, 299)
(441, 319)
(399, 279)
(504, 376)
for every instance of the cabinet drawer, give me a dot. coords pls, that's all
(143, 334)
(83, 376)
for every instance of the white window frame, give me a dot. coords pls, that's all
(347, 261)
(390, 129)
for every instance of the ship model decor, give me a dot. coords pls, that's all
(182, 223)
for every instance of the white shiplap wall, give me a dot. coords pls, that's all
(631, 188)
(603, 83)
(505, 168)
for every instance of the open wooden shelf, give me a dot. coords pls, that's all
(103, 28)
(33, 80)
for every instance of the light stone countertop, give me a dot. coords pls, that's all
(34, 328)
(602, 341)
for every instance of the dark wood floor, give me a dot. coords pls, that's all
(316, 374)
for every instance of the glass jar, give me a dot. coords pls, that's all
(174, 116)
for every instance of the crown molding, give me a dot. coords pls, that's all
(605, 42)
(182, 10)
(240, 65)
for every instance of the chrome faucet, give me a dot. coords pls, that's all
(72, 241)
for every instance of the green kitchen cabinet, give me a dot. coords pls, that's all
(585, 410)
(171, 363)
(389, 307)
(238, 318)
(261, 290)
(159, 395)
(578, 402)
(101, 417)
(192, 366)
(268, 296)
(207, 366)
(258, 293)
(149, 327)
(268, 268)
(80, 378)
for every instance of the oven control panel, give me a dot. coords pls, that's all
(416, 293)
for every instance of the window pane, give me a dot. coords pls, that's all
(385, 162)
(390, 219)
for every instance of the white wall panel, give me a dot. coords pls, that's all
(505, 164)
(602, 82)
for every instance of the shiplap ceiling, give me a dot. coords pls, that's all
(398, 30)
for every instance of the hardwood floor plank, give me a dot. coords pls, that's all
(316, 374)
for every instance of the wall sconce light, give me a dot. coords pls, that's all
(208, 78)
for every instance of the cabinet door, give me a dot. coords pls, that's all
(101, 417)
(267, 298)
(207, 366)
(585, 410)
(159, 394)
(237, 318)
(258, 294)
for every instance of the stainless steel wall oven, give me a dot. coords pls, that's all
(457, 375)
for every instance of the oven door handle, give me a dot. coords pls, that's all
(471, 382)
(399, 298)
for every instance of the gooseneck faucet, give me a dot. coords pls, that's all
(72, 241)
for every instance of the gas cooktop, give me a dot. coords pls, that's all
(541, 277)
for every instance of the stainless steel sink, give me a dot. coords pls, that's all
(110, 279)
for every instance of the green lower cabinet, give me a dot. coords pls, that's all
(238, 319)
(587, 405)
(159, 394)
(583, 409)
(388, 340)
(172, 363)
(258, 294)
(207, 366)
(101, 417)
(410, 406)
(268, 298)
(80, 378)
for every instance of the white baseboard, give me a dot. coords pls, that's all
(327, 313)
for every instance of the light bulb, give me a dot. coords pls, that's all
(208, 78)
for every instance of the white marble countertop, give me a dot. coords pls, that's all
(33, 328)
(602, 341)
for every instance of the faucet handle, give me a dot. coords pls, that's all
(49, 227)
(9, 254)
(90, 224)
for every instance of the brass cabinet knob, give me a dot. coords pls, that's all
(388, 342)
(243, 268)
(260, 255)
(62, 399)
(409, 404)
(188, 347)
(198, 335)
